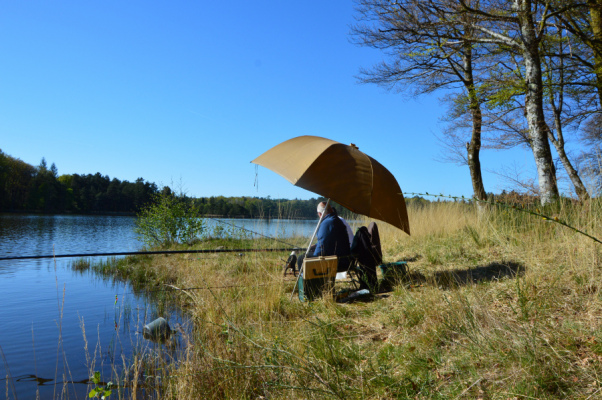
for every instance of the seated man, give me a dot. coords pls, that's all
(332, 239)
(322, 206)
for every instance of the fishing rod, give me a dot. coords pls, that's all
(131, 253)
(166, 251)
(248, 230)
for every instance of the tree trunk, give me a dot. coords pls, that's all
(558, 141)
(573, 174)
(473, 152)
(473, 148)
(566, 162)
(534, 104)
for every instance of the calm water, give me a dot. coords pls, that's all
(47, 307)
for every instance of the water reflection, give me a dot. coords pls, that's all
(59, 325)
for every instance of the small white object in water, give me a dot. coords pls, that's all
(156, 330)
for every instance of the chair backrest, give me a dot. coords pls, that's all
(366, 246)
(375, 239)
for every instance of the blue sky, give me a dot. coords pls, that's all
(187, 93)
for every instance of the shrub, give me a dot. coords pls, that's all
(169, 219)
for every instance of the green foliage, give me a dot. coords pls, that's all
(255, 207)
(416, 201)
(24, 187)
(16, 177)
(100, 390)
(169, 219)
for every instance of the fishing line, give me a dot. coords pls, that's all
(167, 251)
(256, 233)
(132, 253)
(256, 183)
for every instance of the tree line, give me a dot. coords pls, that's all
(28, 188)
(256, 207)
(513, 73)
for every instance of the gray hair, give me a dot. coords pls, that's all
(322, 207)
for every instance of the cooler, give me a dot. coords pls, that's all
(317, 277)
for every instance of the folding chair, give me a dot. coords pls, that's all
(367, 256)
(351, 273)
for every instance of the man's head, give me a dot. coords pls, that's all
(323, 209)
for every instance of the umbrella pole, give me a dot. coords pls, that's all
(309, 245)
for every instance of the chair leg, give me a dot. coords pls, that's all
(353, 275)
(368, 279)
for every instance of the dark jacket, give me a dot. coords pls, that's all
(333, 240)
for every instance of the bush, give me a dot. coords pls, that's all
(169, 219)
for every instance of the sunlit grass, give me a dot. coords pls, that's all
(500, 304)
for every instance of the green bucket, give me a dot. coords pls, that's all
(311, 289)
(392, 275)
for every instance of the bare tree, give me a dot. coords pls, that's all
(518, 26)
(583, 22)
(564, 107)
(427, 52)
(556, 74)
(514, 176)
(525, 69)
(583, 19)
(590, 160)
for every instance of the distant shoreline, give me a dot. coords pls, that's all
(132, 214)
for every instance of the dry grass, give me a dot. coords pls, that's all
(499, 305)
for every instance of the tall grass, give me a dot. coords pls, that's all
(499, 304)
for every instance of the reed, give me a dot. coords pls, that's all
(498, 304)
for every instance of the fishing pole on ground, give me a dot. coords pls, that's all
(173, 289)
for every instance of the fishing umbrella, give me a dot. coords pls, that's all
(342, 173)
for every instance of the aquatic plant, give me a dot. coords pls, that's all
(100, 389)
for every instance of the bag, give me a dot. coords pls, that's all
(366, 250)
(375, 243)
(366, 246)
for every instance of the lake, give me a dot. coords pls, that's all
(59, 325)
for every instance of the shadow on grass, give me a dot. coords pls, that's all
(454, 278)
(412, 258)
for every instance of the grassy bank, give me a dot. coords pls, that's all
(500, 305)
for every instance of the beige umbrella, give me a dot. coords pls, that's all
(342, 173)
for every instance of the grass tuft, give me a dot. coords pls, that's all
(497, 304)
